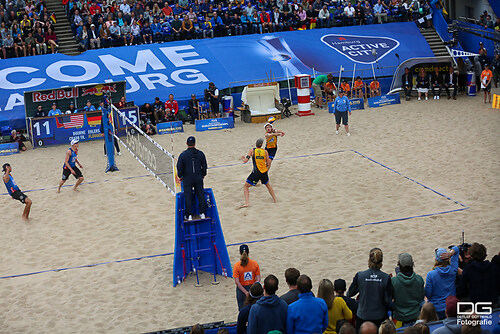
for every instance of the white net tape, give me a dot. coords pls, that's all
(149, 153)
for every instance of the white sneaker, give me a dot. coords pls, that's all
(438, 97)
(119, 153)
(435, 97)
(190, 218)
(202, 216)
(419, 99)
(348, 134)
(426, 98)
(337, 132)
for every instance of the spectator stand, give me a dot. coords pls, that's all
(396, 84)
(337, 17)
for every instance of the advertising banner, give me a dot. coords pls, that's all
(356, 104)
(214, 124)
(57, 130)
(169, 127)
(186, 67)
(9, 148)
(383, 100)
(78, 95)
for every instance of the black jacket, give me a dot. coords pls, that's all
(454, 79)
(480, 281)
(375, 293)
(192, 165)
(408, 78)
(437, 79)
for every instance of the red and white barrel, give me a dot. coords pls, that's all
(303, 85)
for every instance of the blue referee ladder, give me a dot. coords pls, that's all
(199, 243)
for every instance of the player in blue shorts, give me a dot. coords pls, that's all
(14, 190)
(69, 166)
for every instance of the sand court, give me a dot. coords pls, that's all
(124, 228)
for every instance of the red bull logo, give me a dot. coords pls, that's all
(57, 94)
(99, 90)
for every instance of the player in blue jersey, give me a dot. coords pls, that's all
(14, 190)
(69, 166)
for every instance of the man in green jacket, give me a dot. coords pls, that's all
(408, 292)
(316, 84)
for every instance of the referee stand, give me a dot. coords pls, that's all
(199, 243)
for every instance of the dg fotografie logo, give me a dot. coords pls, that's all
(361, 49)
(473, 314)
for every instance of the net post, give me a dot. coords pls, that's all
(108, 132)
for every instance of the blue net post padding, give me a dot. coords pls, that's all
(199, 243)
(108, 140)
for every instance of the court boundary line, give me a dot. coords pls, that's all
(463, 207)
(149, 175)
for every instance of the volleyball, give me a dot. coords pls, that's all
(271, 119)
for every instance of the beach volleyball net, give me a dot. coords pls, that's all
(158, 161)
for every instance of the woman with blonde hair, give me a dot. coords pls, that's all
(427, 314)
(337, 307)
(245, 272)
(375, 291)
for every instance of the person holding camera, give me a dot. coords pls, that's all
(440, 281)
(213, 98)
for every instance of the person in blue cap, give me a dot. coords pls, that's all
(440, 281)
(191, 170)
(54, 111)
(342, 106)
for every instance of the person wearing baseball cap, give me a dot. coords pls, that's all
(191, 170)
(72, 109)
(69, 166)
(54, 111)
(409, 292)
(245, 273)
(342, 107)
(14, 190)
(89, 106)
(440, 281)
(193, 108)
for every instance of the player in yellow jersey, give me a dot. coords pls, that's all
(272, 135)
(261, 163)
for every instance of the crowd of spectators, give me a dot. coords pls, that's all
(375, 302)
(486, 21)
(107, 23)
(26, 28)
(55, 111)
(324, 89)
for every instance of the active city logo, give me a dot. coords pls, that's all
(361, 49)
(474, 314)
(99, 90)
